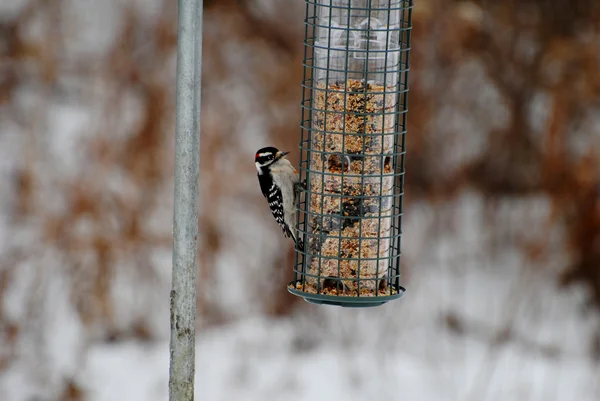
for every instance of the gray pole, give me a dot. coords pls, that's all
(185, 214)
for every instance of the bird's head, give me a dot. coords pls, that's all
(266, 156)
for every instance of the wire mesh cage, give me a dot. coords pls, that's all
(354, 111)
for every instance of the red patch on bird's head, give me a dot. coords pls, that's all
(256, 156)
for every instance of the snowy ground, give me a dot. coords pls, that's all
(397, 352)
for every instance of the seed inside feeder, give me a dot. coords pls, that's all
(351, 189)
(338, 163)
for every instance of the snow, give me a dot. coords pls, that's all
(395, 352)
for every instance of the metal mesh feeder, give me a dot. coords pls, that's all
(352, 151)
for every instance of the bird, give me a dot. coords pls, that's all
(279, 183)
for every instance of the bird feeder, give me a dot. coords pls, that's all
(352, 147)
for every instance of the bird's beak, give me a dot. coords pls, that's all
(281, 154)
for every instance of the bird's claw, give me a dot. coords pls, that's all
(299, 185)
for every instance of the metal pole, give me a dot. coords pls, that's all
(185, 213)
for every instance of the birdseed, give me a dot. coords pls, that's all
(341, 290)
(351, 189)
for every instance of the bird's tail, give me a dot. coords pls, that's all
(288, 233)
(299, 244)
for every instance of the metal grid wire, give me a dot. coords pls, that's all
(352, 147)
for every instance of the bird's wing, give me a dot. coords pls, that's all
(275, 200)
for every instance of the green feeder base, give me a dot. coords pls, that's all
(346, 302)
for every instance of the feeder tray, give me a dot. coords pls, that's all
(352, 152)
(336, 300)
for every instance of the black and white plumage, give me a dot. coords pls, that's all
(279, 184)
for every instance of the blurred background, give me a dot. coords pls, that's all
(501, 245)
